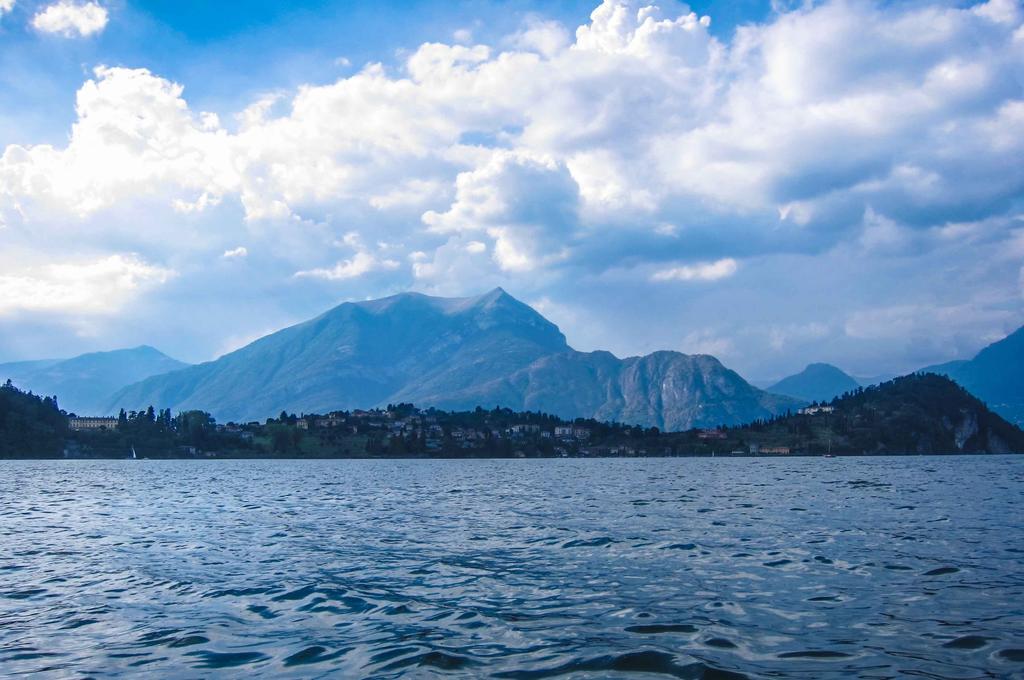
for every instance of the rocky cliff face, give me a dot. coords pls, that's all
(668, 390)
(965, 429)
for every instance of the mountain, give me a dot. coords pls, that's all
(918, 413)
(16, 369)
(995, 375)
(455, 353)
(668, 390)
(362, 354)
(817, 382)
(85, 384)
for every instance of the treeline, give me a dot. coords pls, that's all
(913, 414)
(917, 413)
(34, 426)
(30, 425)
(158, 434)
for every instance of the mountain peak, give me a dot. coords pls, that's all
(494, 294)
(455, 353)
(817, 382)
(821, 366)
(447, 305)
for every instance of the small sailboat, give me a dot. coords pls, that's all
(134, 457)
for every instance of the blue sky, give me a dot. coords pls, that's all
(774, 183)
(227, 55)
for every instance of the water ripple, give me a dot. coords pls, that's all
(688, 568)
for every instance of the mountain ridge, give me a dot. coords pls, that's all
(85, 382)
(452, 353)
(995, 375)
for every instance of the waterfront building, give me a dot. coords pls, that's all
(83, 423)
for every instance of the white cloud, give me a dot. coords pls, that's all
(79, 288)
(236, 253)
(652, 118)
(6, 6)
(359, 264)
(545, 37)
(134, 137)
(71, 19)
(781, 336)
(908, 322)
(638, 143)
(1000, 11)
(703, 271)
(640, 30)
(412, 193)
(883, 234)
(706, 341)
(526, 203)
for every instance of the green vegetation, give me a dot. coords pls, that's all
(920, 413)
(29, 425)
(914, 414)
(156, 434)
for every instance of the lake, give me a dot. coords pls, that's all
(689, 568)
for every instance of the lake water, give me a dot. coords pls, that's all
(690, 568)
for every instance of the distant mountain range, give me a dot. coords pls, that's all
(995, 375)
(453, 353)
(668, 390)
(817, 382)
(85, 383)
(459, 353)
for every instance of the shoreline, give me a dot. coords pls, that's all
(468, 458)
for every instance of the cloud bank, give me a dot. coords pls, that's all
(638, 152)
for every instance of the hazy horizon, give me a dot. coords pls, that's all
(760, 381)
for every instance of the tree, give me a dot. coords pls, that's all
(29, 425)
(195, 427)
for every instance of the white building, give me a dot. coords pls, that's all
(811, 410)
(92, 423)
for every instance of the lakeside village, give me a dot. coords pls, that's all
(401, 430)
(919, 413)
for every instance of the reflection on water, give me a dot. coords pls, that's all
(689, 568)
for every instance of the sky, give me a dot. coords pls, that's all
(775, 183)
